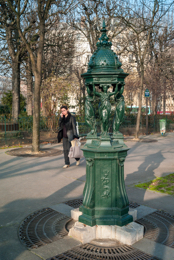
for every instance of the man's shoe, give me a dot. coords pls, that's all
(66, 166)
(78, 162)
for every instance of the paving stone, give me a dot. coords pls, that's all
(63, 208)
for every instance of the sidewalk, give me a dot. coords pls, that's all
(29, 184)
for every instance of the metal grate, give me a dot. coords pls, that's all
(90, 251)
(43, 227)
(159, 227)
(133, 205)
(76, 203)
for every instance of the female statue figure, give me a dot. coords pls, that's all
(120, 107)
(105, 107)
(89, 111)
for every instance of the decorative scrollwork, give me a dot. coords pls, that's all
(89, 162)
(121, 161)
(105, 183)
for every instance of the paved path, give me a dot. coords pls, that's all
(30, 184)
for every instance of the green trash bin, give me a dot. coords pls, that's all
(162, 126)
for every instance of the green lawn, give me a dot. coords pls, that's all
(161, 184)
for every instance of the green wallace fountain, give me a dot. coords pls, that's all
(105, 201)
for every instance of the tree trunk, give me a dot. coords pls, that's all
(15, 57)
(164, 102)
(83, 92)
(29, 89)
(37, 70)
(44, 113)
(140, 105)
(15, 90)
(154, 103)
(36, 114)
(80, 98)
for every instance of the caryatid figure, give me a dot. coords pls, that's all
(120, 108)
(105, 107)
(89, 111)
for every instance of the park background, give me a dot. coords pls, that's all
(46, 46)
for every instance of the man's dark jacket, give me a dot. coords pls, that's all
(70, 125)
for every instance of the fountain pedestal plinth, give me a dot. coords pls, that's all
(105, 199)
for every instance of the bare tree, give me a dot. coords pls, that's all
(141, 19)
(9, 32)
(87, 19)
(59, 46)
(159, 74)
(43, 11)
(54, 91)
(29, 77)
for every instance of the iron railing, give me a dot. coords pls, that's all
(10, 129)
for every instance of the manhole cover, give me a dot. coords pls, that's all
(159, 227)
(90, 251)
(43, 227)
(76, 203)
(26, 152)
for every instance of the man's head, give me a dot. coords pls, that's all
(64, 110)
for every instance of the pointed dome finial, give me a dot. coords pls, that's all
(104, 27)
(103, 40)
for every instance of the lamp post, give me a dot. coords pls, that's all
(147, 94)
(105, 199)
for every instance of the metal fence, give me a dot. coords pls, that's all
(22, 129)
(10, 130)
(129, 123)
